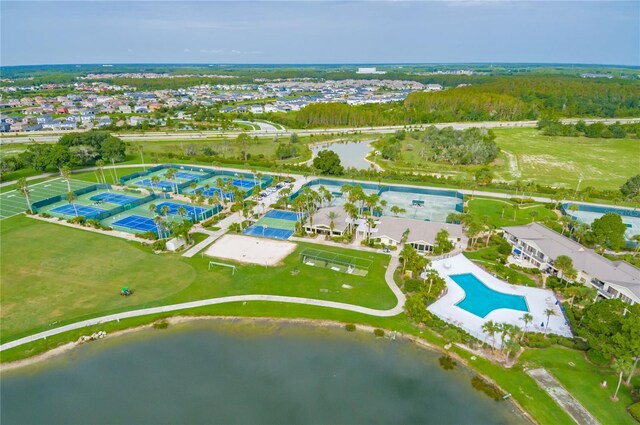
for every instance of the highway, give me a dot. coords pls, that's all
(267, 129)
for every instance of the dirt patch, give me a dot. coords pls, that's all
(247, 249)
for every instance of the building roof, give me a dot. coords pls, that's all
(394, 228)
(553, 244)
(321, 218)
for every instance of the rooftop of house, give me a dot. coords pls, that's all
(394, 228)
(553, 244)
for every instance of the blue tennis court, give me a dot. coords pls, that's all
(192, 210)
(282, 215)
(268, 232)
(164, 184)
(213, 190)
(113, 198)
(243, 184)
(136, 222)
(186, 175)
(75, 210)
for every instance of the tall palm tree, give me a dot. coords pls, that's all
(70, 198)
(620, 365)
(164, 211)
(526, 318)
(23, 188)
(152, 208)
(182, 212)
(154, 181)
(65, 173)
(159, 226)
(332, 215)
(100, 165)
(491, 328)
(171, 175)
(352, 212)
(548, 312)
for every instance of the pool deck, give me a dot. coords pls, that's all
(538, 300)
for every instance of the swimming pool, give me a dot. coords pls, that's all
(480, 300)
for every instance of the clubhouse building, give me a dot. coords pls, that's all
(388, 231)
(540, 246)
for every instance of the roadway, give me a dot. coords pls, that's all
(267, 129)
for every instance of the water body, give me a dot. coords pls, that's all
(245, 373)
(352, 154)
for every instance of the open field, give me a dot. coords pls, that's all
(526, 154)
(559, 161)
(583, 381)
(53, 274)
(500, 212)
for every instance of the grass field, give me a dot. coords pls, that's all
(501, 212)
(583, 381)
(526, 154)
(52, 273)
(559, 161)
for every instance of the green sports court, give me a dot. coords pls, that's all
(13, 202)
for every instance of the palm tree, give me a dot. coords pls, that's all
(65, 173)
(526, 318)
(548, 312)
(170, 175)
(154, 181)
(23, 188)
(70, 198)
(352, 212)
(564, 264)
(636, 239)
(332, 215)
(490, 328)
(159, 226)
(152, 208)
(100, 165)
(620, 365)
(182, 212)
(164, 211)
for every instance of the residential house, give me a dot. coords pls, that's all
(541, 246)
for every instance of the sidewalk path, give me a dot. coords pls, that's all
(557, 392)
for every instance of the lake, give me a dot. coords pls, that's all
(352, 154)
(240, 373)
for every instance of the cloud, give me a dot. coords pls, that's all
(211, 51)
(187, 50)
(130, 50)
(243, 52)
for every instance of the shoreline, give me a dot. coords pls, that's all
(315, 323)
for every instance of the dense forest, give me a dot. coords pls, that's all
(502, 99)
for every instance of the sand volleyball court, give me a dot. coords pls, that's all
(247, 249)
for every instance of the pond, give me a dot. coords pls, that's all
(259, 373)
(352, 154)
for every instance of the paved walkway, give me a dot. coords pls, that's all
(557, 392)
(214, 301)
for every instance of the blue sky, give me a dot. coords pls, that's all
(53, 32)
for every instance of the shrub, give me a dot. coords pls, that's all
(350, 327)
(447, 362)
(147, 235)
(45, 215)
(379, 333)
(634, 410)
(161, 324)
(597, 357)
(159, 245)
(487, 388)
(76, 220)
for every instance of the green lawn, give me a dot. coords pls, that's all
(52, 273)
(501, 212)
(548, 160)
(583, 382)
(559, 161)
